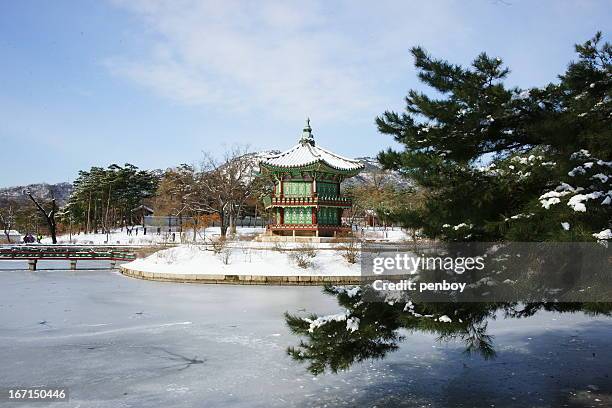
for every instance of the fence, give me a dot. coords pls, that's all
(174, 224)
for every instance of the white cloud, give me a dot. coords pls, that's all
(292, 59)
(271, 57)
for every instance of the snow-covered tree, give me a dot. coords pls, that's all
(507, 163)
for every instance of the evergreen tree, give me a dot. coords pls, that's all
(499, 163)
(370, 329)
(105, 198)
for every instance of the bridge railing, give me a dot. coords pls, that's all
(72, 254)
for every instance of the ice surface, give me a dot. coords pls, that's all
(122, 342)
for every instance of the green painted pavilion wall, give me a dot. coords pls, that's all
(297, 188)
(327, 216)
(325, 189)
(304, 189)
(298, 215)
(303, 215)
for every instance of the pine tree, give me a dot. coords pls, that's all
(487, 155)
(106, 197)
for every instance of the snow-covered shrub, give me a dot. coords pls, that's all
(218, 244)
(279, 246)
(226, 254)
(350, 251)
(303, 255)
(168, 256)
(246, 251)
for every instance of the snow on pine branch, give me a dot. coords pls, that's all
(352, 323)
(591, 189)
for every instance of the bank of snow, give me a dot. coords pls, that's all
(194, 259)
(121, 237)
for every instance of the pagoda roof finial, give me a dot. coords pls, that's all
(307, 136)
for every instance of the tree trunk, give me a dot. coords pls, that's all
(232, 222)
(7, 221)
(50, 217)
(88, 228)
(256, 214)
(195, 226)
(222, 224)
(95, 218)
(106, 226)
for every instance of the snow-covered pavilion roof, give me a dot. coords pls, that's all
(306, 152)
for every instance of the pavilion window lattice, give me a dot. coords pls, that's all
(327, 189)
(298, 215)
(297, 189)
(327, 216)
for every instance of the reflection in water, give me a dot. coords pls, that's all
(369, 330)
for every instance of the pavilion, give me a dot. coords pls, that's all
(306, 200)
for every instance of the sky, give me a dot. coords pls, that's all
(157, 83)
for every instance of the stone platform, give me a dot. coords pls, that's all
(305, 280)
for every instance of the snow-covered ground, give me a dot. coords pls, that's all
(242, 255)
(196, 259)
(119, 237)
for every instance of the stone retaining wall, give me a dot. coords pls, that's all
(241, 279)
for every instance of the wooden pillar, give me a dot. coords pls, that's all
(32, 264)
(314, 215)
(73, 263)
(282, 215)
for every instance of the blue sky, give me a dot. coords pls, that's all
(156, 83)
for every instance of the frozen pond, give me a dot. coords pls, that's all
(120, 342)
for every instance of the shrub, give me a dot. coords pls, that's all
(218, 244)
(350, 251)
(303, 255)
(226, 254)
(279, 246)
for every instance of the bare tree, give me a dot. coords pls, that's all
(225, 185)
(175, 195)
(7, 219)
(49, 216)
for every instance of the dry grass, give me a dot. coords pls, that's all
(226, 255)
(218, 244)
(351, 250)
(303, 255)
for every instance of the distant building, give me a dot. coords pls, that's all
(139, 213)
(306, 200)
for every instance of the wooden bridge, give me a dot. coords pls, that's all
(66, 253)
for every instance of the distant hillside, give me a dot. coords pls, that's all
(374, 169)
(44, 191)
